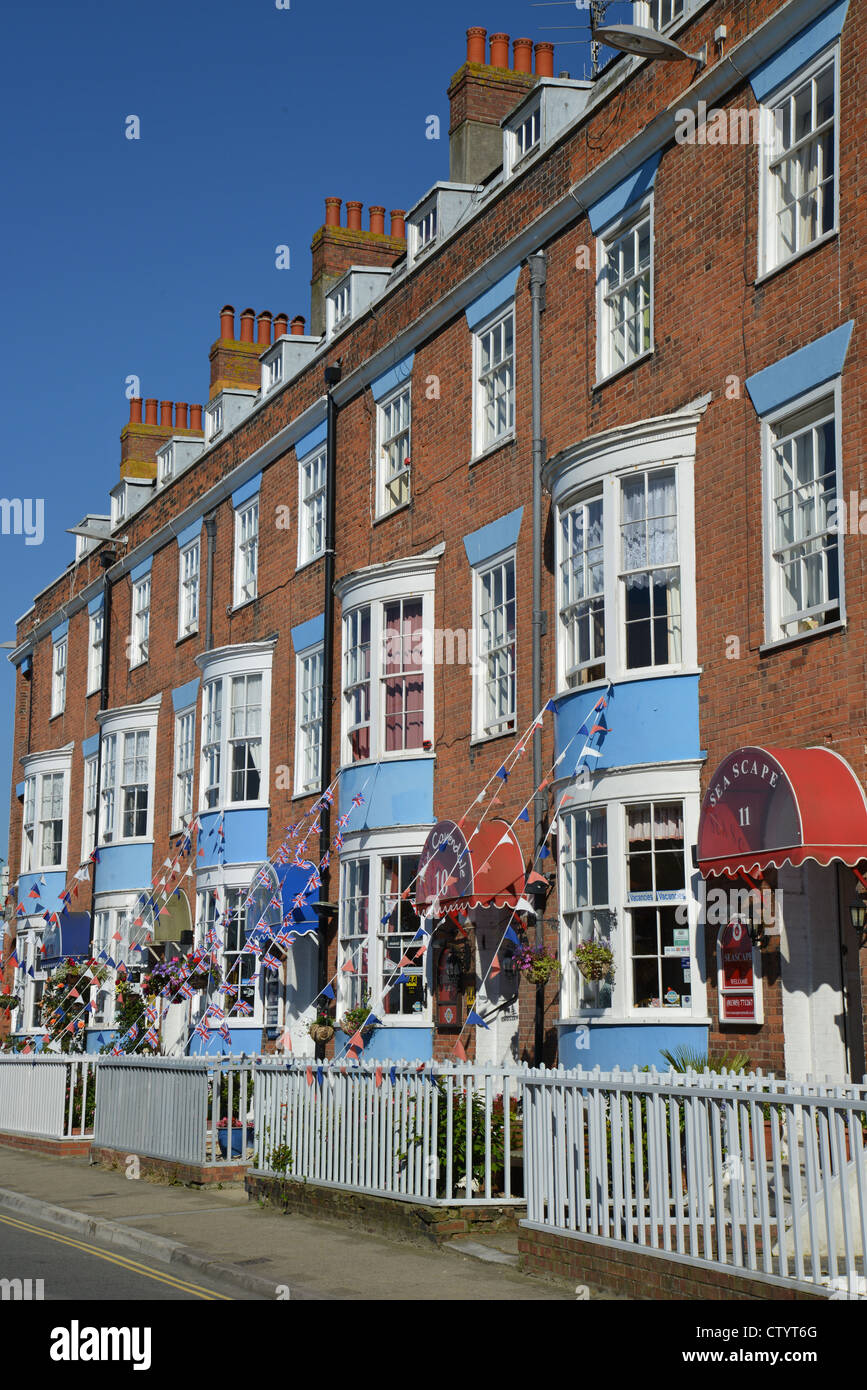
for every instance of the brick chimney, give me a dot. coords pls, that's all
(336, 247)
(235, 360)
(481, 94)
(141, 437)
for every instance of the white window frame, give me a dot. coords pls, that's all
(339, 306)
(482, 442)
(184, 770)
(527, 135)
(234, 880)
(95, 639)
(615, 791)
(275, 371)
(666, 13)
(116, 725)
(373, 848)
(246, 570)
(306, 718)
(481, 730)
(425, 229)
(632, 219)
(140, 622)
(770, 258)
(601, 464)
(376, 588)
(59, 661)
(189, 583)
(221, 667)
(312, 505)
(166, 458)
(38, 766)
(386, 440)
(214, 415)
(28, 943)
(832, 393)
(114, 912)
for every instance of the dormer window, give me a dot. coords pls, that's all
(426, 229)
(118, 507)
(215, 420)
(665, 12)
(275, 371)
(341, 304)
(528, 134)
(166, 464)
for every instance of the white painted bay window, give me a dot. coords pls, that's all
(236, 696)
(586, 900)
(128, 748)
(46, 810)
(582, 592)
(650, 570)
(222, 909)
(88, 829)
(376, 927)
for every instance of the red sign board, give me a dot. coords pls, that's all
(739, 988)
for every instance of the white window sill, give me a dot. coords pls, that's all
(411, 1021)
(244, 603)
(305, 564)
(508, 438)
(185, 636)
(88, 693)
(619, 371)
(478, 740)
(765, 275)
(681, 1016)
(384, 516)
(768, 647)
(234, 806)
(411, 755)
(57, 715)
(305, 796)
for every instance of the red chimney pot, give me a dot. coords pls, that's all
(476, 45)
(377, 220)
(298, 326)
(398, 225)
(135, 404)
(353, 216)
(227, 321)
(263, 324)
(523, 55)
(544, 60)
(332, 211)
(180, 415)
(195, 417)
(281, 323)
(150, 411)
(248, 317)
(499, 50)
(166, 413)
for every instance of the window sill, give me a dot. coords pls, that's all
(411, 1021)
(412, 755)
(768, 648)
(59, 715)
(233, 806)
(479, 740)
(245, 603)
(510, 438)
(627, 367)
(682, 1016)
(305, 564)
(384, 516)
(305, 796)
(764, 276)
(90, 693)
(186, 637)
(137, 665)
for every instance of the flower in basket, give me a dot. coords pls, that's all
(321, 1028)
(9, 1001)
(356, 1020)
(224, 1124)
(537, 964)
(595, 960)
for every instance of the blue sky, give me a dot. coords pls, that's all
(119, 253)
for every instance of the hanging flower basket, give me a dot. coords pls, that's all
(8, 1001)
(595, 960)
(536, 965)
(321, 1032)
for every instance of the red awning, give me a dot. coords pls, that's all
(775, 806)
(462, 867)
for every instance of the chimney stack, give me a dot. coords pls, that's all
(235, 361)
(141, 438)
(335, 248)
(481, 94)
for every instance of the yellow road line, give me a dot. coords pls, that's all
(122, 1260)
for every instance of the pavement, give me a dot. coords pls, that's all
(231, 1242)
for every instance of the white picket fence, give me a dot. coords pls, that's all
(47, 1097)
(736, 1172)
(436, 1132)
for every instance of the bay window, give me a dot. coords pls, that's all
(354, 947)
(656, 884)
(128, 744)
(46, 810)
(356, 683)
(245, 737)
(223, 910)
(377, 925)
(586, 899)
(582, 592)
(649, 569)
(402, 675)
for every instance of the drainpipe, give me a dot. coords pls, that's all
(211, 534)
(538, 264)
(332, 377)
(106, 559)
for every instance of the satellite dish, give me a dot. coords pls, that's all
(646, 43)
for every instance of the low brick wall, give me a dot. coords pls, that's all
(190, 1174)
(55, 1148)
(411, 1221)
(640, 1273)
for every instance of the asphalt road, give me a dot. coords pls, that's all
(80, 1270)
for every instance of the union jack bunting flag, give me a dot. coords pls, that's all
(342, 820)
(152, 1037)
(186, 991)
(214, 1011)
(338, 842)
(328, 797)
(150, 1013)
(271, 962)
(201, 1030)
(244, 1007)
(229, 989)
(358, 799)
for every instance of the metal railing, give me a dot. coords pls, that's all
(434, 1132)
(739, 1172)
(48, 1097)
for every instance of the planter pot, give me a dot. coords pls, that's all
(198, 980)
(236, 1140)
(321, 1032)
